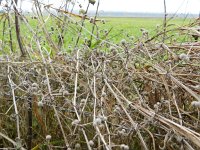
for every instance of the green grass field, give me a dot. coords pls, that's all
(127, 27)
(120, 28)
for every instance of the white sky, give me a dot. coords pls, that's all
(180, 6)
(191, 6)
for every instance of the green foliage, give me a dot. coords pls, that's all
(121, 28)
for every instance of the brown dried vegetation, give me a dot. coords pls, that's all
(133, 96)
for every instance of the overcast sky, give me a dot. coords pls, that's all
(180, 6)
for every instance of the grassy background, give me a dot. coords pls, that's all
(120, 28)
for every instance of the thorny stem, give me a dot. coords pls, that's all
(10, 34)
(10, 140)
(14, 102)
(4, 29)
(94, 91)
(30, 122)
(56, 113)
(127, 114)
(82, 24)
(63, 132)
(95, 105)
(94, 23)
(42, 23)
(17, 27)
(76, 83)
(165, 21)
(61, 40)
(102, 138)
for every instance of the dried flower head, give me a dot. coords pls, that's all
(103, 118)
(179, 138)
(25, 83)
(184, 57)
(101, 126)
(92, 20)
(132, 38)
(65, 93)
(197, 87)
(77, 146)
(145, 32)
(106, 31)
(82, 11)
(117, 109)
(52, 28)
(92, 2)
(122, 132)
(97, 122)
(45, 82)
(40, 104)
(123, 41)
(34, 85)
(103, 94)
(103, 21)
(83, 101)
(124, 147)
(48, 137)
(34, 88)
(112, 48)
(75, 122)
(91, 143)
(196, 104)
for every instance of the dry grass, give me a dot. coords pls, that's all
(134, 95)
